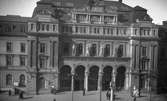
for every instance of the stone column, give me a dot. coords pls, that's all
(72, 79)
(100, 79)
(73, 49)
(114, 73)
(86, 80)
(126, 81)
(51, 54)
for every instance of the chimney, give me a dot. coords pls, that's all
(120, 1)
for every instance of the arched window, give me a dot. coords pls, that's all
(22, 80)
(8, 79)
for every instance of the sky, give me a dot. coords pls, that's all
(157, 9)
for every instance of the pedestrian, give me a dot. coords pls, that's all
(108, 94)
(84, 92)
(10, 92)
(21, 95)
(54, 99)
(135, 93)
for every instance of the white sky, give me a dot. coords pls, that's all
(156, 8)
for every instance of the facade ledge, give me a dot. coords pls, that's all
(74, 58)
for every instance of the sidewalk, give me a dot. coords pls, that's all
(90, 96)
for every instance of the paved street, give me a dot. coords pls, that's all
(91, 96)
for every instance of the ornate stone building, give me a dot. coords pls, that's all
(162, 83)
(90, 42)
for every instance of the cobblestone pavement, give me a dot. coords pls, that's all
(90, 96)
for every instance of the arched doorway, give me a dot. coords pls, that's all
(120, 78)
(41, 83)
(107, 77)
(22, 80)
(65, 78)
(93, 78)
(79, 78)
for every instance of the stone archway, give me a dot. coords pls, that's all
(93, 78)
(107, 77)
(65, 78)
(79, 78)
(120, 78)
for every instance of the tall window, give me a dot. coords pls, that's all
(107, 50)
(41, 83)
(9, 46)
(42, 62)
(47, 27)
(120, 51)
(22, 47)
(54, 27)
(32, 26)
(143, 51)
(43, 27)
(66, 49)
(8, 79)
(9, 59)
(22, 60)
(42, 47)
(79, 49)
(93, 50)
(22, 80)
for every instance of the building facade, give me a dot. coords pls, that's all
(87, 43)
(162, 83)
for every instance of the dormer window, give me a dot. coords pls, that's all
(108, 19)
(81, 18)
(95, 19)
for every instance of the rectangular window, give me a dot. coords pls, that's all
(9, 46)
(42, 62)
(54, 27)
(135, 31)
(22, 60)
(93, 50)
(42, 47)
(144, 51)
(9, 60)
(66, 49)
(107, 50)
(43, 27)
(47, 27)
(22, 47)
(32, 26)
(79, 49)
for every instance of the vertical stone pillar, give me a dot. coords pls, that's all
(126, 81)
(100, 79)
(29, 53)
(72, 79)
(114, 73)
(86, 80)
(51, 54)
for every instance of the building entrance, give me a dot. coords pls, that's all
(79, 78)
(93, 78)
(107, 77)
(120, 78)
(65, 78)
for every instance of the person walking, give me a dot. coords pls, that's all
(84, 92)
(135, 93)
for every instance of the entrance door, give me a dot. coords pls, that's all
(120, 78)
